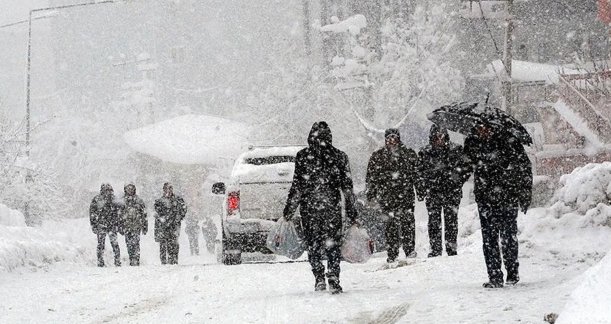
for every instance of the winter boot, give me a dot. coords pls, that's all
(434, 254)
(493, 284)
(334, 286)
(320, 284)
(512, 279)
(411, 255)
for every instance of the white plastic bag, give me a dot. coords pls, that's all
(358, 246)
(283, 239)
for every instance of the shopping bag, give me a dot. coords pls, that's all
(358, 246)
(283, 239)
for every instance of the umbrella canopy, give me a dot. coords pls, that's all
(463, 117)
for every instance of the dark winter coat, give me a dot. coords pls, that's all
(133, 215)
(503, 174)
(170, 211)
(391, 177)
(443, 169)
(322, 175)
(104, 214)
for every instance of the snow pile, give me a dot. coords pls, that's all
(39, 246)
(353, 25)
(586, 192)
(10, 217)
(190, 139)
(589, 303)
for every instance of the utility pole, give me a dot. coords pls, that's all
(29, 178)
(508, 57)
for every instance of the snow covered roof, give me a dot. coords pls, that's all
(530, 71)
(191, 139)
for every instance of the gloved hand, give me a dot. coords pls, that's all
(356, 222)
(95, 230)
(288, 218)
(524, 208)
(144, 231)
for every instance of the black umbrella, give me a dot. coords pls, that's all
(463, 117)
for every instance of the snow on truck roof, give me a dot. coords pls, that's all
(191, 139)
(265, 151)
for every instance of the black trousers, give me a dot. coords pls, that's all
(400, 231)
(168, 251)
(435, 208)
(499, 223)
(112, 237)
(329, 247)
(132, 240)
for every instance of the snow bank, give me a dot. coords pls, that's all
(590, 301)
(586, 191)
(39, 246)
(10, 217)
(190, 139)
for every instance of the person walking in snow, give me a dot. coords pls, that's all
(193, 230)
(104, 220)
(133, 222)
(443, 170)
(503, 184)
(390, 180)
(210, 232)
(322, 175)
(170, 211)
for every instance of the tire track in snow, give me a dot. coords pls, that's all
(387, 316)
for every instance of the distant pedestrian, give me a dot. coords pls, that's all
(390, 180)
(322, 175)
(443, 170)
(193, 231)
(104, 220)
(170, 211)
(210, 232)
(133, 221)
(503, 185)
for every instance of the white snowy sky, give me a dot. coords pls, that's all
(15, 10)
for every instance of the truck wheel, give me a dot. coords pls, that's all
(231, 255)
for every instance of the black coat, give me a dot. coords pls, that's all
(322, 175)
(133, 215)
(443, 169)
(503, 173)
(170, 211)
(391, 177)
(104, 214)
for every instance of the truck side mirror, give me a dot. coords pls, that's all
(218, 188)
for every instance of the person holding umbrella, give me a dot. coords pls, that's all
(502, 180)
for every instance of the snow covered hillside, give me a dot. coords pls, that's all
(562, 256)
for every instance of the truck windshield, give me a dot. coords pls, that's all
(269, 160)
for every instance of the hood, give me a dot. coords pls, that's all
(320, 135)
(435, 130)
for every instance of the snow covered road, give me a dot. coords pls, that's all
(441, 290)
(48, 275)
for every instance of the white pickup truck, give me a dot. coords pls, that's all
(254, 199)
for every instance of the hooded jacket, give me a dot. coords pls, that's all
(133, 214)
(391, 176)
(104, 212)
(322, 175)
(170, 211)
(502, 170)
(443, 169)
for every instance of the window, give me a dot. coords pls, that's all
(270, 160)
